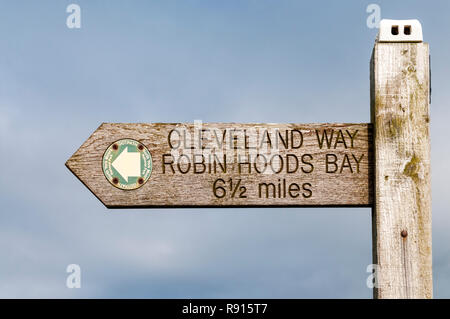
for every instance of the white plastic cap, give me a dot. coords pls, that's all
(400, 31)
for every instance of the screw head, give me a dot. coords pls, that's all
(115, 147)
(140, 147)
(115, 180)
(404, 233)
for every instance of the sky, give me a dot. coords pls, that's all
(180, 61)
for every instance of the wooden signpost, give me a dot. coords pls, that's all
(384, 164)
(221, 165)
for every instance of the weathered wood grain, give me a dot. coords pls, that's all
(400, 87)
(347, 187)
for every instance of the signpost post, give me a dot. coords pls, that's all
(400, 95)
(384, 164)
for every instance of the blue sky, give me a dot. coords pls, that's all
(178, 61)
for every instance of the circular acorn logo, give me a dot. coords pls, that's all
(127, 164)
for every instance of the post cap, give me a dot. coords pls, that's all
(400, 31)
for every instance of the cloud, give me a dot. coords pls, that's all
(199, 63)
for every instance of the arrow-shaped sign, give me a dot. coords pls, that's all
(128, 164)
(223, 165)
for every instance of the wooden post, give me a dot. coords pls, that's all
(400, 94)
